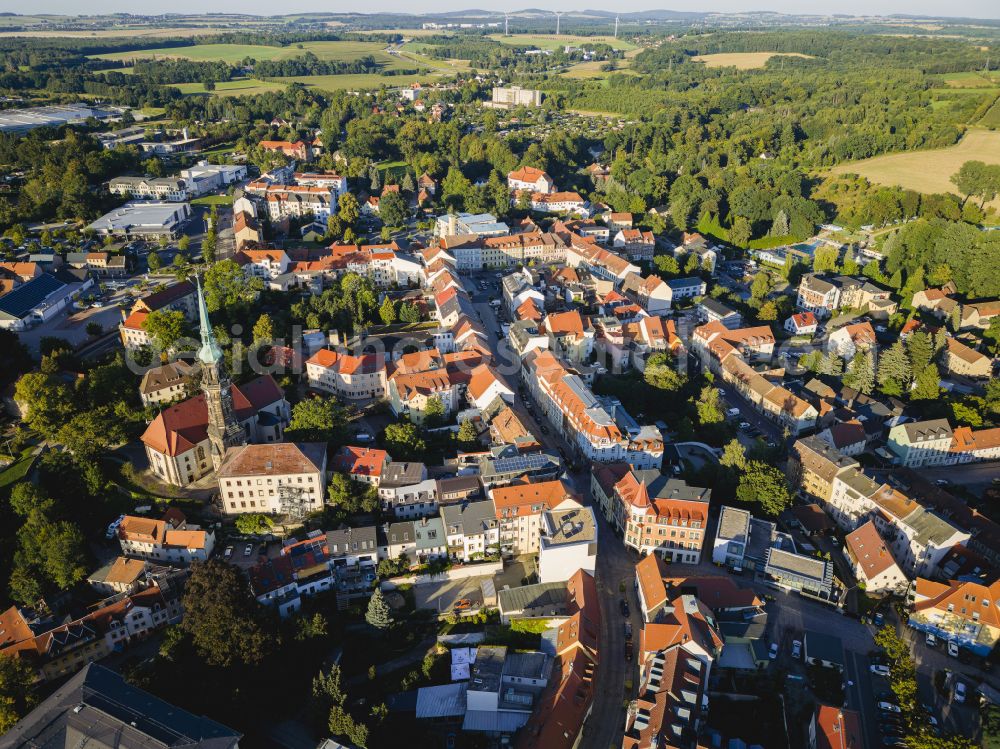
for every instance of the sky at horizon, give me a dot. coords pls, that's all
(986, 9)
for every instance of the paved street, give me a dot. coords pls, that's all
(976, 477)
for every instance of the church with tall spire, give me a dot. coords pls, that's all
(224, 431)
(188, 441)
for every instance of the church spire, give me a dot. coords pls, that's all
(209, 353)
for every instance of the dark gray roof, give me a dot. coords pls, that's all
(98, 707)
(821, 458)
(19, 302)
(824, 647)
(541, 599)
(526, 665)
(683, 283)
(469, 518)
(734, 525)
(785, 562)
(933, 429)
(352, 541)
(402, 474)
(458, 484)
(661, 486)
(717, 307)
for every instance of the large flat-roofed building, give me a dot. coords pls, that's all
(798, 572)
(23, 120)
(204, 177)
(97, 707)
(171, 189)
(34, 302)
(568, 544)
(137, 219)
(508, 97)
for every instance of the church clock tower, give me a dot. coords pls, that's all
(224, 431)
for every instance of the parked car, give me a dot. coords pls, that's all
(248, 550)
(112, 530)
(628, 651)
(960, 691)
(931, 640)
(628, 631)
(879, 669)
(623, 605)
(744, 425)
(773, 652)
(953, 649)
(796, 648)
(889, 707)
(463, 603)
(733, 412)
(879, 619)
(228, 553)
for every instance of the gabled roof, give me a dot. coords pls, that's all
(869, 550)
(179, 428)
(528, 174)
(273, 459)
(360, 461)
(520, 498)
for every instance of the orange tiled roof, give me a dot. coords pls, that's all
(520, 498)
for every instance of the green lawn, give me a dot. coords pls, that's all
(235, 87)
(213, 200)
(992, 117)
(353, 81)
(17, 470)
(234, 53)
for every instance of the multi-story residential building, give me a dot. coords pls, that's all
(917, 444)
(168, 382)
(160, 541)
(263, 263)
(873, 563)
(364, 464)
(472, 529)
(712, 310)
(287, 478)
(409, 393)
(851, 339)
(966, 612)
(635, 244)
(686, 288)
(348, 376)
(172, 189)
(597, 429)
(730, 353)
(508, 97)
(335, 183)
(485, 385)
(801, 323)
(558, 202)
(530, 178)
(658, 514)
(299, 150)
(567, 545)
(918, 538)
(571, 337)
(813, 465)
(964, 361)
(54, 647)
(836, 728)
(824, 295)
(405, 491)
(519, 509)
(695, 244)
(651, 293)
(353, 547)
(732, 537)
(299, 202)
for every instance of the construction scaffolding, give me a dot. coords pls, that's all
(293, 502)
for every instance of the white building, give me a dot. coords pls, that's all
(568, 543)
(287, 478)
(472, 529)
(204, 177)
(160, 541)
(143, 220)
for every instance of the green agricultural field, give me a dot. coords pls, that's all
(353, 81)
(928, 171)
(234, 53)
(742, 60)
(235, 87)
(969, 79)
(992, 117)
(551, 41)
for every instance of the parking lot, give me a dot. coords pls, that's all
(442, 597)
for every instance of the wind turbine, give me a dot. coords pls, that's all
(559, 15)
(506, 22)
(616, 27)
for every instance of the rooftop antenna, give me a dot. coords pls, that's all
(616, 27)
(506, 22)
(559, 15)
